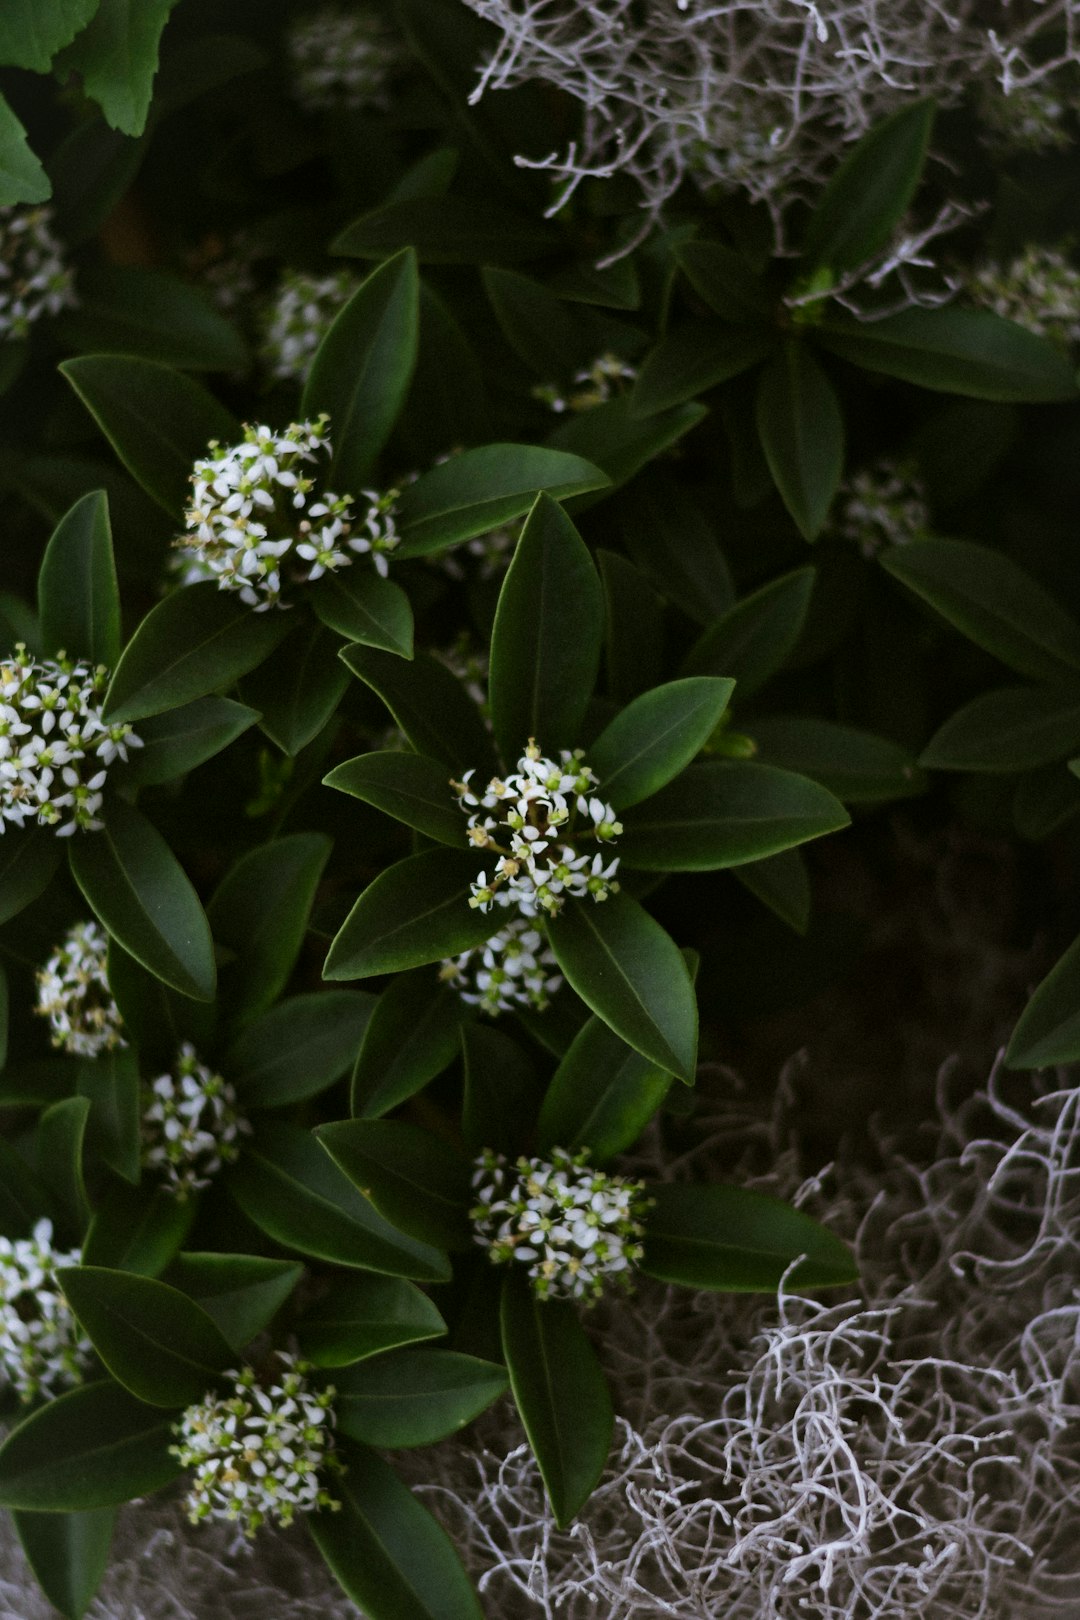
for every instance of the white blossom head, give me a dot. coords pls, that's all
(1038, 289)
(55, 748)
(298, 317)
(43, 1350)
(34, 280)
(545, 843)
(514, 968)
(882, 505)
(73, 994)
(190, 1124)
(257, 523)
(575, 1228)
(341, 59)
(257, 1453)
(606, 377)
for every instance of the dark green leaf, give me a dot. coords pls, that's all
(547, 638)
(753, 639)
(560, 1393)
(738, 1241)
(260, 910)
(671, 541)
(22, 179)
(430, 705)
(414, 1179)
(91, 1448)
(32, 31)
(299, 1047)
(23, 1197)
(194, 642)
(870, 191)
(240, 1293)
(137, 1228)
(1048, 1032)
(116, 59)
(1015, 728)
(447, 230)
(855, 765)
(158, 1019)
(59, 1140)
(360, 373)
(180, 739)
(363, 606)
(360, 1316)
(629, 971)
(68, 1553)
(1045, 801)
(725, 280)
(500, 1090)
(110, 1084)
(801, 429)
(28, 858)
(550, 338)
(414, 1397)
(620, 443)
(137, 888)
(656, 736)
(601, 1096)
(409, 787)
(782, 883)
(122, 310)
(691, 359)
(78, 594)
(412, 1036)
(415, 912)
(158, 421)
(723, 812)
(634, 628)
(153, 1339)
(298, 690)
(91, 169)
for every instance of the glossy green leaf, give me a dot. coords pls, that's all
(738, 1241)
(359, 604)
(412, 1037)
(414, 1397)
(32, 31)
(68, 1553)
(361, 1316)
(601, 1096)
(1045, 801)
(723, 812)
(137, 888)
(501, 1090)
(430, 704)
(158, 421)
(725, 280)
(854, 765)
(550, 337)
(60, 1141)
(299, 1047)
(110, 1084)
(782, 883)
(560, 1393)
(177, 741)
(955, 351)
(295, 1193)
(421, 1186)
(116, 58)
(23, 1196)
(195, 641)
(361, 370)
(483, 488)
(123, 310)
(801, 428)
(614, 439)
(547, 637)
(386, 1551)
(22, 178)
(753, 639)
(1015, 728)
(297, 691)
(260, 910)
(673, 543)
(993, 601)
(629, 971)
(656, 736)
(137, 1228)
(93, 1447)
(416, 911)
(158, 1019)
(691, 359)
(240, 1293)
(91, 169)
(634, 629)
(870, 191)
(410, 787)
(1048, 1031)
(28, 858)
(78, 594)
(447, 230)
(154, 1340)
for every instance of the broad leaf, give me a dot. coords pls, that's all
(299, 1047)
(691, 359)
(22, 178)
(78, 594)
(753, 639)
(725, 280)
(28, 858)
(601, 1096)
(782, 883)
(634, 630)
(738, 1241)
(421, 1186)
(870, 191)
(430, 705)
(414, 912)
(68, 1553)
(361, 1316)
(447, 230)
(1048, 1032)
(116, 58)
(180, 739)
(240, 1293)
(298, 690)
(362, 606)
(673, 543)
(260, 910)
(123, 310)
(1015, 728)
(801, 428)
(91, 1448)
(412, 1037)
(410, 787)
(854, 765)
(612, 437)
(32, 31)
(501, 1089)
(137, 1228)
(158, 1019)
(59, 1142)
(655, 737)
(110, 1084)
(414, 1397)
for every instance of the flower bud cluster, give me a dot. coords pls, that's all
(55, 748)
(257, 1453)
(42, 1348)
(514, 968)
(298, 318)
(73, 994)
(1040, 290)
(190, 1124)
(341, 59)
(254, 518)
(575, 1228)
(882, 505)
(607, 376)
(34, 280)
(544, 808)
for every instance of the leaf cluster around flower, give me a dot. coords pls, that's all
(190, 1124)
(43, 1350)
(74, 995)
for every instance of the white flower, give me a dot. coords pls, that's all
(575, 1227)
(190, 1126)
(1040, 290)
(514, 968)
(341, 59)
(298, 317)
(74, 995)
(254, 515)
(42, 1348)
(595, 385)
(34, 280)
(257, 1453)
(882, 505)
(55, 748)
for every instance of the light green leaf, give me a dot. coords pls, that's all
(32, 31)
(116, 58)
(22, 178)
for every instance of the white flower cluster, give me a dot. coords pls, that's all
(190, 1125)
(257, 1453)
(576, 1228)
(298, 317)
(511, 969)
(34, 280)
(539, 806)
(492, 554)
(882, 505)
(1040, 290)
(252, 516)
(595, 385)
(42, 1347)
(55, 748)
(341, 59)
(73, 994)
